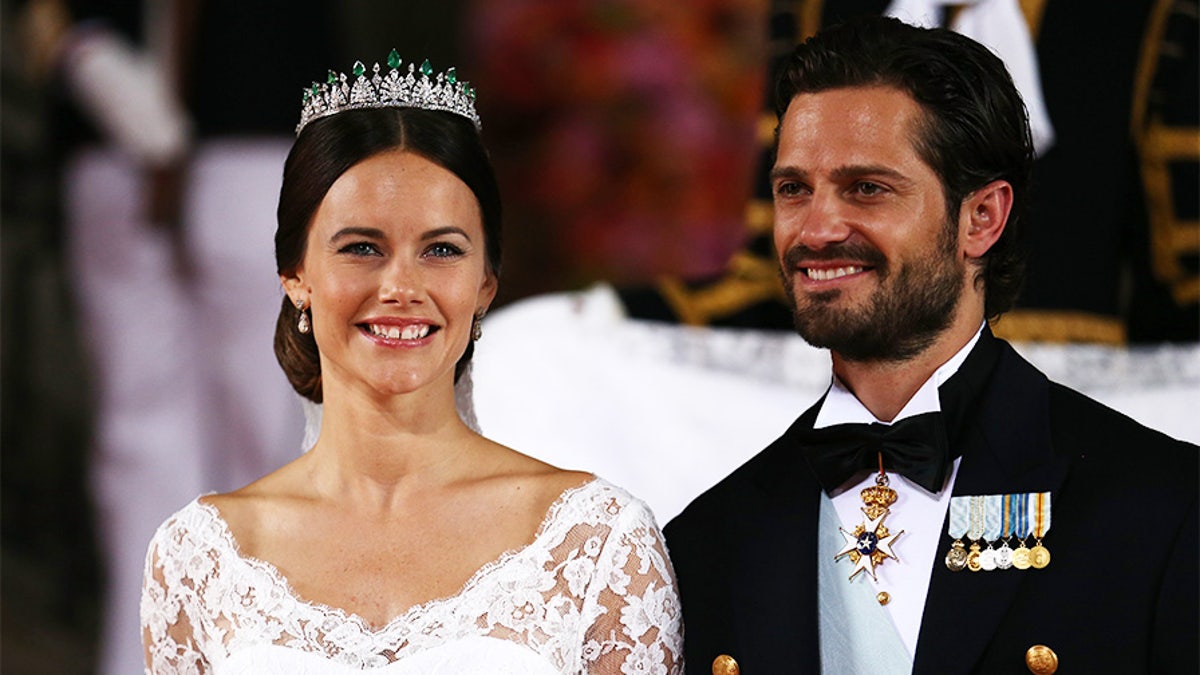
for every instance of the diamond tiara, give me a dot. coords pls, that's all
(418, 88)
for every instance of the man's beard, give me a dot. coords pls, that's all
(912, 305)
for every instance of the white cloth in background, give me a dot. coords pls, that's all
(189, 396)
(667, 411)
(126, 93)
(593, 592)
(663, 410)
(1000, 25)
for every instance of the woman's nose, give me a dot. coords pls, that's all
(401, 283)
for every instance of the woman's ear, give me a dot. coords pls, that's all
(295, 288)
(983, 216)
(487, 291)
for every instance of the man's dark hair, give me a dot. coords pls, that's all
(975, 129)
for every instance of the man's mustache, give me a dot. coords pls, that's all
(854, 252)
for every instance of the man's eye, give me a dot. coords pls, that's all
(788, 189)
(869, 189)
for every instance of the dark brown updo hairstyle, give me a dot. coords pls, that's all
(325, 149)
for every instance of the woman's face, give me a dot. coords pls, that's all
(394, 271)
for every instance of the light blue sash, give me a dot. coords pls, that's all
(857, 634)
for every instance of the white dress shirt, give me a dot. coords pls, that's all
(918, 512)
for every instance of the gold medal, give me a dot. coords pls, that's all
(956, 527)
(1020, 558)
(1020, 507)
(973, 559)
(975, 533)
(1039, 556)
(956, 557)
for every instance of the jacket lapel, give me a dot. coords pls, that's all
(1004, 436)
(777, 575)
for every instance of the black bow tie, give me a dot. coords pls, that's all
(915, 447)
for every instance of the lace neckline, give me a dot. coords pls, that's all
(277, 578)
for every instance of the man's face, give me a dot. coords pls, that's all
(869, 261)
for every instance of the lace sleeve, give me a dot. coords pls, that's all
(168, 636)
(638, 628)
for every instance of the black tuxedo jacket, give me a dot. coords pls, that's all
(1120, 594)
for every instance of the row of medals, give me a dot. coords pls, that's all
(959, 557)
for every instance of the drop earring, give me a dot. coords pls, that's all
(477, 325)
(302, 324)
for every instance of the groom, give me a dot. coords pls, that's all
(944, 508)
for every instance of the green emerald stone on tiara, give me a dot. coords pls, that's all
(452, 76)
(331, 78)
(427, 68)
(359, 69)
(393, 60)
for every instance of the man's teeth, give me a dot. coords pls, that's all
(825, 274)
(415, 332)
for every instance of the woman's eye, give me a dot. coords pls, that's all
(443, 250)
(360, 248)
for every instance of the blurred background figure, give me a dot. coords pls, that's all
(630, 139)
(48, 565)
(170, 160)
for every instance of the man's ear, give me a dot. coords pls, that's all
(983, 216)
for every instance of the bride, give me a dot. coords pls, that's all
(403, 541)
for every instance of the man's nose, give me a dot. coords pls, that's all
(823, 222)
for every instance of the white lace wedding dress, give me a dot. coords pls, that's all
(593, 593)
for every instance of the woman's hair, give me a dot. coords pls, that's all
(326, 149)
(975, 128)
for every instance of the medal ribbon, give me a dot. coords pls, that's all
(976, 530)
(993, 516)
(1007, 507)
(1039, 504)
(1020, 507)
(959, 517)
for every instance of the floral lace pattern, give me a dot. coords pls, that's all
(593, 593)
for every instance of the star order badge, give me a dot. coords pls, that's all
(870, 543)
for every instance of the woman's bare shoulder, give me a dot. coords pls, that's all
(273, 499)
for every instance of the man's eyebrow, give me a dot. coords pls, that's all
(858, 170)
(840, 173)
(787, 172)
